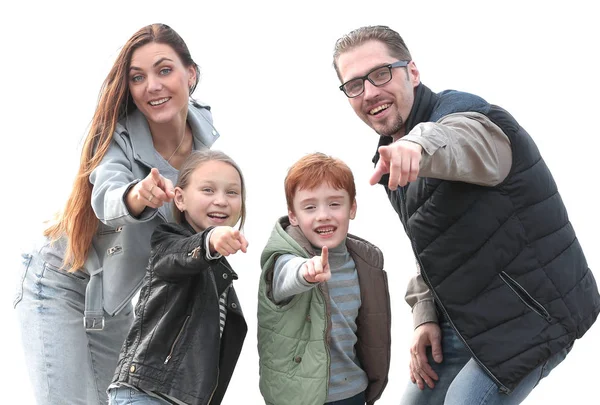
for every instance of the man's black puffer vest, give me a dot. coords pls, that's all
(503, 262)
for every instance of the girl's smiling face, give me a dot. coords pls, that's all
(213, 197)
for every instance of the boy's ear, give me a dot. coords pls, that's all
(353, 210)
(293, 219)
(178, 199)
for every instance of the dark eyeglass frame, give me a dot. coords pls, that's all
(400, 63)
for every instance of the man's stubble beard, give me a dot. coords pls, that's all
(393, 129)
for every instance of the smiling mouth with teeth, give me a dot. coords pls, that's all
(158, 102)
(379, 109)
(325, 230)
(218, 215)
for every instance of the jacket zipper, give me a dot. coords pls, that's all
(215, 388)
(404, 212)
(525, 297)
(195, 252)
(326, 334)
(111, 231)
(212, 278)
(389, 355)
(177, 339)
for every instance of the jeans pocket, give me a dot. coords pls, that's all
(75, 275)
(553, 361)
(25, 261)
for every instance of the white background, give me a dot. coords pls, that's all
(266, 72)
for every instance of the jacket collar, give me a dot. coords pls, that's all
(136, 127)
(297, 235)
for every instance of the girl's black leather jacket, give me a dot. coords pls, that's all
(173, 346)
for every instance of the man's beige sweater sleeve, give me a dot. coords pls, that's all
(465, 147)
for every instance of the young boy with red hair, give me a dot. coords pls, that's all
(323, 305)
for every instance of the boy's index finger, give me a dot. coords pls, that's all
(324, 255)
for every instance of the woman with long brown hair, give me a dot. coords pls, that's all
(74, 297)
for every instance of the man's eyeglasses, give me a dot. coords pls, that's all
(378, 77)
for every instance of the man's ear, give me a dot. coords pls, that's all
(413, 72)
(353, 210)
(178, 199)
(292, 217)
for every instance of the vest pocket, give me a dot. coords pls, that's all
(525, 297)
(25, 261)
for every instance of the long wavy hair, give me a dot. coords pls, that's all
(77, 220)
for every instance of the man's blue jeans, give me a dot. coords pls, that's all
(463, 382)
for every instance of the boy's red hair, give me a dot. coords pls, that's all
(315, 169)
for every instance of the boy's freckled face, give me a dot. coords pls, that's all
(323, 215)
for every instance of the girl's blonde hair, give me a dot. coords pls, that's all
(197, 159)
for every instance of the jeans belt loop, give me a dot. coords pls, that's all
(93, 315)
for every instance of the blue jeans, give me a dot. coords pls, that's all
(358, 399)
(66, 363)
(463, 382)
(130, 396)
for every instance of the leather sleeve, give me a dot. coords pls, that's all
(177, 254)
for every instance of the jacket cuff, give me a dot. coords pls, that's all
(210, 256)
(424, 311)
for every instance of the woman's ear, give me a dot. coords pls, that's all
(192, 76)
(179, 199)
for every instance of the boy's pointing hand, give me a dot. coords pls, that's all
(316, 269)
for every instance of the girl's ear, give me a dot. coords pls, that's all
(178, 199)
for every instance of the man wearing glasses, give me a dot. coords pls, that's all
(502, 288)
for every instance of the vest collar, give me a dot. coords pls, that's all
(423, 105)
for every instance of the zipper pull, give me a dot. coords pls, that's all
(167, 359)
(195, 253)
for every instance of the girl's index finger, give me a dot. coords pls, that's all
(244, 243)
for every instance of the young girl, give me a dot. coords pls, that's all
(189, 327)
